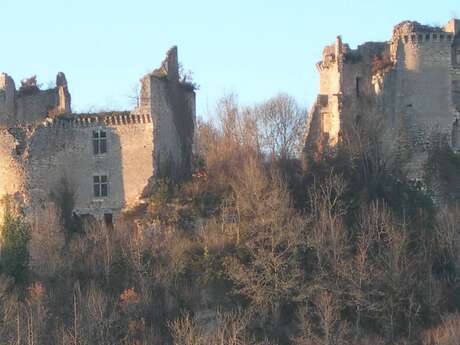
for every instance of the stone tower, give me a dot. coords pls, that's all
(410, 84)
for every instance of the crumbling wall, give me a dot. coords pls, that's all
(172, 105)
(324, 124)
(43, 149)
(30, 104)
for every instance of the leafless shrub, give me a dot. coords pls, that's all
(229, 329)
(448, 235)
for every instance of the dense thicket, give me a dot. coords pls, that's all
(258, 248)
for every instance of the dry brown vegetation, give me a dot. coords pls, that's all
(253, 250)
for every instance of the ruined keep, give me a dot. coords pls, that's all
(107, 160)
(408, 86)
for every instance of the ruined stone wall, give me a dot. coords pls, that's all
(324, 124)
(43, 149)
(62, 151)
(29, 103)
(33, 106)
(359, 102)
(346, 92)
(173, 112)
(172, 105)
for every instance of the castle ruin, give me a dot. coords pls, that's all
(410, 85)
(108, 160)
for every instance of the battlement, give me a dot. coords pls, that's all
(425, 37)
(100, 119)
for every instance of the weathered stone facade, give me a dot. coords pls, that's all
(410, 83)
(108, 160)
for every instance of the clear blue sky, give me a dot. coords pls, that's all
(252, 47)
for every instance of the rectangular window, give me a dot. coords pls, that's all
(100, 186)
(99, 142)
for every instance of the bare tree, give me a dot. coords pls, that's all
(281, 122)
(270, 229)
(323, 325)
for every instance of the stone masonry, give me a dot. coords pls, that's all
(108, 160)
(410, 85)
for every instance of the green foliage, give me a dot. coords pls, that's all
(14, 254)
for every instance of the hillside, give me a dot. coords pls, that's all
(261, 246)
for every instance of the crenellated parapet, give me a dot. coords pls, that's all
(100, 119)
(426, 37)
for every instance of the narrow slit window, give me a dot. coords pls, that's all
(99, 142)
(100, 186)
